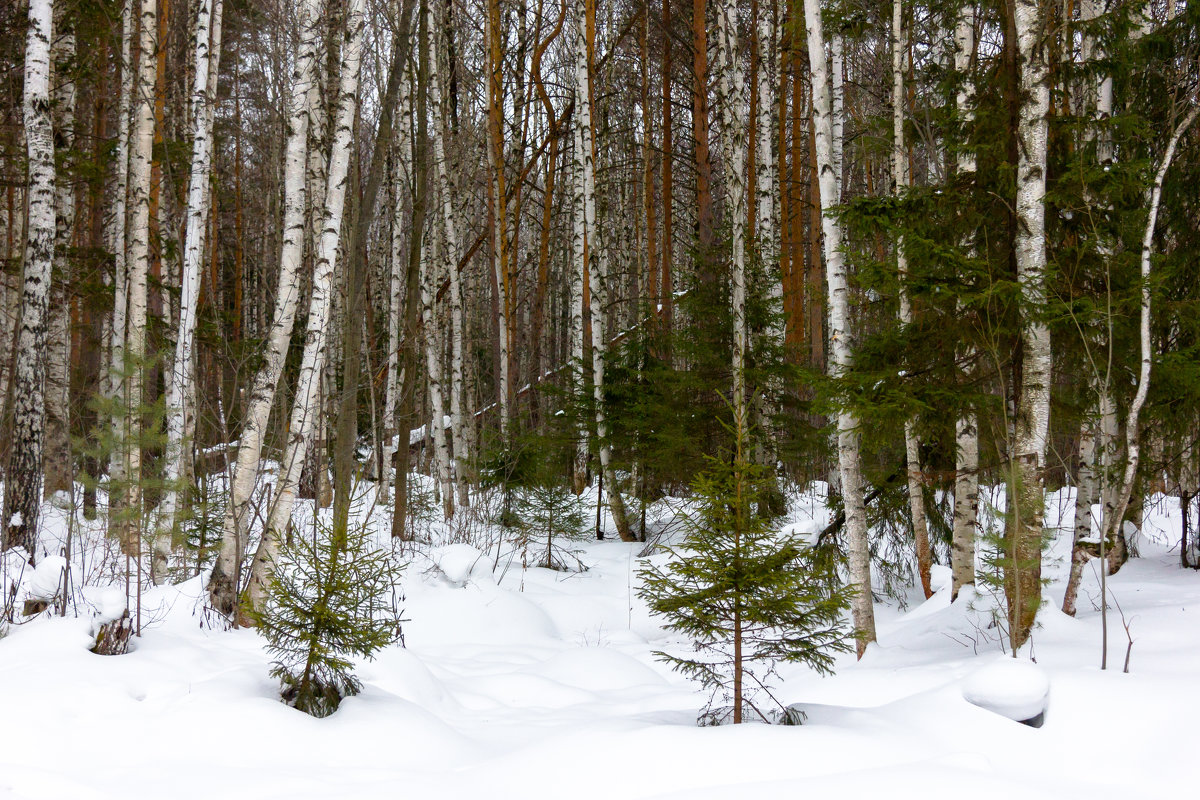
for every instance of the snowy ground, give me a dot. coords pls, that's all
(540, 684)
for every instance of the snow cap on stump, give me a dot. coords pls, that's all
(1011, 688)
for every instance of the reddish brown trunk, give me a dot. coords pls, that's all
(704, 208)
(666, 291)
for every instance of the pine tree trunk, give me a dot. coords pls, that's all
(223, 582)
(1022, 578)
(849, 459)
(180, 379)
(23, 478)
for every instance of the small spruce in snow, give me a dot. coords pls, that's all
(745, 594)
(332, 598)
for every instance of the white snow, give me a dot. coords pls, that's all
(1012, 687)
(46, 581)
(532, 684)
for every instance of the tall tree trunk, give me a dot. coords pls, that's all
(1085, 498)
(141, 155)
(704, 206)
(966, 426)
(451, 250)
(23, 478)
(849, 459)
(732, 103)
(1023, 535)
(180, 379)
(412, 303)
(900, 181)
(59, 472)
(496, 183)
(307, 403)
(225, 575)
(114, 379)
(594, 251)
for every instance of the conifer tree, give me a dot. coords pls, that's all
(745, 594)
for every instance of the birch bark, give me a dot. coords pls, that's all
(180, 379)
(114, 383)
(966, 426)
(595, 273)
(1022, 579)
(451, 253)
(23, 479)
(59, 475)
(849, 460)
(307, 404)
(732, 102)
(141, 153)
(225, 575)
(900, 181)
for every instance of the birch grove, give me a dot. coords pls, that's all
(279, 272)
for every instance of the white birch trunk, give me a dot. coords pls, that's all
(59, 475)
(900, 181)
(452, 252)
(401, 180)
(23, 479)
(1124, 490)
(224, 580)
(837, 58)
(114, 379)
(576, 300)
(141, 152)
(1085, 497)
(307, 404)
(849, 461)
(765, 229)
(966, 427)
(732, 103)
(433, 371)
(1023, 571)
(595, 270)
(180, 389)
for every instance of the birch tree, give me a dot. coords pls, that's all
(23, 478)
(731, 99)
(141, 155)
(594, 272)
(307, 404)
(451, 248)
(224, 580)
(900, 181)
(180, 381)
(849, 459)
(59, 475)
(113, 384)
(1023, 535)
(966, 425)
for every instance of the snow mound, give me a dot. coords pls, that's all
(461, 563)
(46, 582)
(1009, 687)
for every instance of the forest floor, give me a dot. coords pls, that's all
(532, 683)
